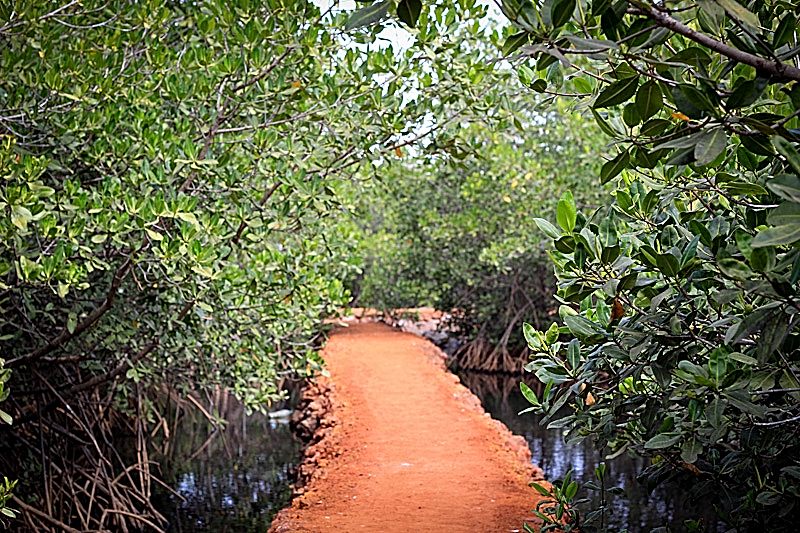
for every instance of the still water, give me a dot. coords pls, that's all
(227, 480)
(637, 511)
(237, 478)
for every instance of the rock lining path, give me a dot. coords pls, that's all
(410, 449)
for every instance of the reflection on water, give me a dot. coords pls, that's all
(226, 480)
(637, 511)
(236, 479)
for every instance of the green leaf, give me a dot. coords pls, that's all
(649, 99)
(5, 417)
(514, 42)
(739, 12)
(690, 450)
(758, 144)
(408, 11)
(582, 327)
(368, 15)
(742, 401)
(786, 213)
(630, 115)
(526, 74)
(714, 411)
(751, 323)
(742, 358)
(777, 236)
(784, 33)
(551, 335)
(20, 216)
(547, 228)
(745, 93)
(617, 93)
(717, 364)
(574, 354)
(566, 212)
(654, 127)
(709, 145)
(768, 498)
(561, 11)
(762, 259)
(539, 85)
(156, 236)
(668, 264)
(786, 186)
(611, 169)
(735, 269)
(787, 150)
(540, 489)
(528, 393)
(662, 440)
(691, 101)
(604, 125)
(686, 141)
(690, 251)
(591, 44)
(188, 217)
(529, 332)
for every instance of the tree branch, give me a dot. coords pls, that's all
(65, 335)
(775, 68)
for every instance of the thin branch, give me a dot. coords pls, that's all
(66, 335)
(778, 422)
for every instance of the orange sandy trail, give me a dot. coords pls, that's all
(412, 449)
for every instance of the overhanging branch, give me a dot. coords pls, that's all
(769, 66)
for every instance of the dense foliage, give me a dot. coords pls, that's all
(177, 179)
(456, 229)
(679, 298)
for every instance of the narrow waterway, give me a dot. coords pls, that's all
(231, 479)
(236, 478)
(636, 511)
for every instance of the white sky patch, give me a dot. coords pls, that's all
(401, 39)
(395, 35)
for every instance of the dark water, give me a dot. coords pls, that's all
(237, 478)
(636, 511)
(226, 480)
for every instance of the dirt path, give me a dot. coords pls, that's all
(411, 450)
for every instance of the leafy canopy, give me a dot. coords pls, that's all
(679, 338)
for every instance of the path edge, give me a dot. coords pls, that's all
(316, 424)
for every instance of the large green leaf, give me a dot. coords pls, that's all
(739, 12)
(408, 11)
(788, 150)
(547, 228)
(582, 327)
(662, 440)
(786, 186)
(368, 15)
(709, 145)
(566, 212)
(611, 169)
(561, 12)
(617, 93)
(649, 99)
(528, 393)
(777, 236)
(786, 213)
